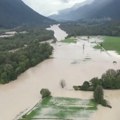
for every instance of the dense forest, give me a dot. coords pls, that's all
(20, 39)
(22, 51)
(108, 28)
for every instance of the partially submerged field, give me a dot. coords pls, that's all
(111, 43)
(62, 109)
(70, 40)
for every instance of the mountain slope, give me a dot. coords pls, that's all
(96, 9)
(110, 10)
(16, 13)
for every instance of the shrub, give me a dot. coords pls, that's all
(45, 93)
(85, 86)
(76, 87)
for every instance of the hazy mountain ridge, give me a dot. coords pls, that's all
(15, 13)
(94, 10)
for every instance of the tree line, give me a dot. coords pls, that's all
(13, 64)
(92, 28)
(20, 39)
(109, 80)
(22, 51)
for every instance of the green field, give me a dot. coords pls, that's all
(70, 40)
(62, 109)
(111, 43)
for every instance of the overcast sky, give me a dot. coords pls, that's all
(48, 7)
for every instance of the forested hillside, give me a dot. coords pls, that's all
(109, 28)
(15, 13)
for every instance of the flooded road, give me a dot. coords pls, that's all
(70, 62)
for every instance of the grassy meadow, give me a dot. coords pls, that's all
(70, 40)
(111, 43)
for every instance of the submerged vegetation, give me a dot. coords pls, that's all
(62, 108)
(22, 51)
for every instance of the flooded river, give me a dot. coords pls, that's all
(58, 33)
(70, 62)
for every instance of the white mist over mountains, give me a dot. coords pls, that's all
(48, 7)
(96, 9)
(15, 13)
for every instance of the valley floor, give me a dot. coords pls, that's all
(73, 64)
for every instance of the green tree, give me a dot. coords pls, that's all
(99, 94)
(95, 82)
(108, 79)
(4, 78)
(85, 86)
(45, 93)
(9, 70)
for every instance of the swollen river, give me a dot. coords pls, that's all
(69, 62)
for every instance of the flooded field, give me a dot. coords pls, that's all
(62, 109)
(71, 62)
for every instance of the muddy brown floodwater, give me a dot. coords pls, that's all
(70, 62)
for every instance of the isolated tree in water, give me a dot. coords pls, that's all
(99, 94)
(45, 93)
(62, 83)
